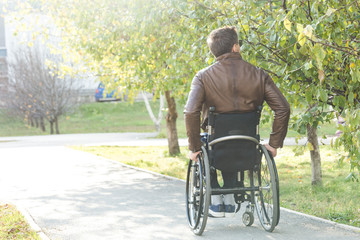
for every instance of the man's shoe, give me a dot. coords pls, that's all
(216, 211)
(229, 210)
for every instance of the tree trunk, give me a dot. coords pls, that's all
(51, 127)
(171, 117)
(36, 122)
(316, 175)
(42, 124)
(156, 121)
(57, 126)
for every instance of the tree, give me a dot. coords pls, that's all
(22, 95)
(36, 91)
(310, 48)
(130, 49)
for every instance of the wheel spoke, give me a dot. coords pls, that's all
(266, 199)
(198, 193)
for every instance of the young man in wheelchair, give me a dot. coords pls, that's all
(231, 85)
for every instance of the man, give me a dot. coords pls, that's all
(231, 85)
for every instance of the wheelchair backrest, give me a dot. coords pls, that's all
(234, 154)
(236, 124)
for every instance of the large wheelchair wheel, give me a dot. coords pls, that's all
(277, 187)
(267, 198)
(198, 192)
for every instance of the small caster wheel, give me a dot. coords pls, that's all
(248, 218)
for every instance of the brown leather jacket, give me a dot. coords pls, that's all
(233, 85)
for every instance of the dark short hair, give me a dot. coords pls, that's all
(221, 40)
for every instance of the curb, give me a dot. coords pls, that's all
(141, 169)
(29, 219)
(335, 224)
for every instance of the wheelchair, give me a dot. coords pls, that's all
(233, 142)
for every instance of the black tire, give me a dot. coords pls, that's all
(248, 218)
(277, 187)
(193, 195)
(198, 193)
(267, 198)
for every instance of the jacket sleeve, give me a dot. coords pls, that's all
(192, 113)
(277, 102)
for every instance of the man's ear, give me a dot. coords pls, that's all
(233, 48)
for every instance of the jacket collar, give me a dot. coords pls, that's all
(232, 55)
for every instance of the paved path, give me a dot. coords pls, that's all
(119, 139)
(76, 195)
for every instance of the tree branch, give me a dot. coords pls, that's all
(309, 10)
(284, 6)
(356, 54)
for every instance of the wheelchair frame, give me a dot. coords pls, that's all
(263, 187)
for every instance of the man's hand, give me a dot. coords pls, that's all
(272, 150)
(193, 155)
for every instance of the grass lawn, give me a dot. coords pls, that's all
(99, 117)
(103, 117)
(13, 225)
(336, 200)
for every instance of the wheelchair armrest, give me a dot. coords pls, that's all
(234, 137)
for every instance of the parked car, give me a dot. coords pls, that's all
(102, 95)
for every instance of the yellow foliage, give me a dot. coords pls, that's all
(310, 146)
(287, 24)
(302, 39)
(246, 27)
(300, 28)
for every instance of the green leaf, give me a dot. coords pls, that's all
(308, 65)
(355, 75)
(319, 54)
(323, 95)
(304, 49)
(273, 37)
(309, 31)
(262, 28)
(330, 11)
(308, 96)
(351, 98)
(321, 76)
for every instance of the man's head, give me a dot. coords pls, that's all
(222, 40)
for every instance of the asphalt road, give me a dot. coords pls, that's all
(76, 195)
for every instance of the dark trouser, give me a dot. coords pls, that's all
(229, 178)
